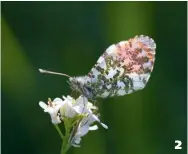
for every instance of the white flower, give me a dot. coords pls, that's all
(80, 110)
(85, 124)
(73, 107)
(67, 110)
(52, 108)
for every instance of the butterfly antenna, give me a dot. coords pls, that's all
(50, 72)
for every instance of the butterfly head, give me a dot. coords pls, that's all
(79, 84)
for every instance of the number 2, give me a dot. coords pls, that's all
(179, 143)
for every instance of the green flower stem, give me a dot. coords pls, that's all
(59, 131)
(66, 145)
(69, 123)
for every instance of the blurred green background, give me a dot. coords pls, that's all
(69, 37)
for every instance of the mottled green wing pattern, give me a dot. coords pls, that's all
(123, 68)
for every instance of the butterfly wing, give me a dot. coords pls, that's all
(123, 68)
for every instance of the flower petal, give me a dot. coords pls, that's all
(43, 105)
(79, 108)
(55, 119)
(67, 110)
(58, 101)
(83, 130)
(95, 127)
(75, 145)
(104, 126)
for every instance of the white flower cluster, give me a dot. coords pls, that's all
(80, 111)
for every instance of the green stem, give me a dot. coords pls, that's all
(65, 145)
(59, 131)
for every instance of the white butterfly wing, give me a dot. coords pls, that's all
(123, 68)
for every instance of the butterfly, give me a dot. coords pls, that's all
(122, 69)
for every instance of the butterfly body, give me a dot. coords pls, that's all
(122, 69)
(79, 84)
